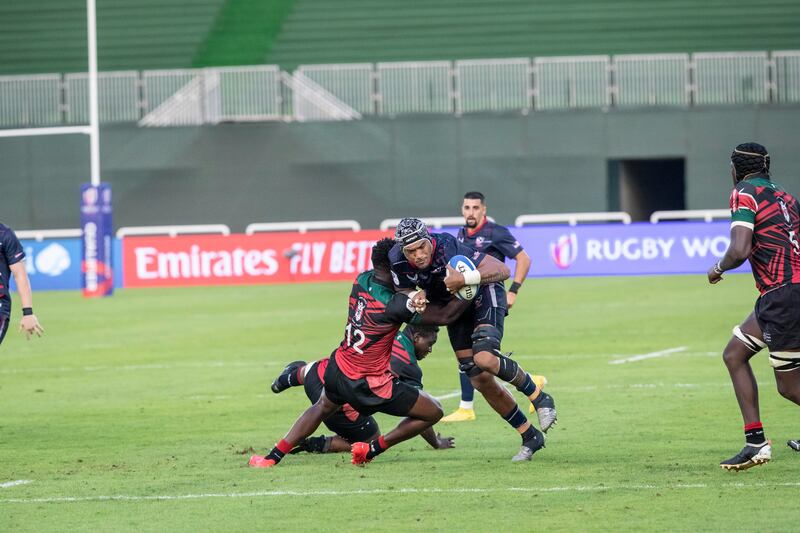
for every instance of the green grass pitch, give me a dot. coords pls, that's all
(138, 413)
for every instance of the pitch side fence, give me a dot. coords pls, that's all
(351, 91)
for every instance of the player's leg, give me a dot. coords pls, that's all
(307, 424)
(421, 411)
(746, 342)
(459, 333)
(490, 312)
(504, 404)
(4, 320)
(363, 429)
(780, 321)
(291, 376)
(789, 387)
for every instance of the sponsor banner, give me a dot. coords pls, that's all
(246, 259)
(618, 249)
(55, 264)
(97, 256)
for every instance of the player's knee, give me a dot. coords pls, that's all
(789, 391)
(485, 360)
(486, 339)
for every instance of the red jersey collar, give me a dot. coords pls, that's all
(471, 232)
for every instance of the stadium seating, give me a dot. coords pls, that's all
(50, 35)
(322, 31)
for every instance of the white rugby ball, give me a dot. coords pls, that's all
(463, 264)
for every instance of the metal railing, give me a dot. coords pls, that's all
(350, 91)
(707, 215)
(573, 218)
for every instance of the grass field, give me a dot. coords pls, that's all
(138, 412)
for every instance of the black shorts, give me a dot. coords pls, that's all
(349, 424)
(778, 315)
(4, 320)
(379, 394)
(488, 308)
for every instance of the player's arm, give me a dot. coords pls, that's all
(437, 314)
(743, 218)
(490, 270)
(523, 261)
(29, 323)
(737, 253)
(436, 440)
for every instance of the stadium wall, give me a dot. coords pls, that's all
(374, 169)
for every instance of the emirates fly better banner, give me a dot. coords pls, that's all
(247, 259)
(585, 250)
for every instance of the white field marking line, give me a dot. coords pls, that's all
(369, 492)
(18, 482)
(651, 355)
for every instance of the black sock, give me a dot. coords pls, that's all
(319, 444)
(528, 435)
(279, 451)
(754, 434)
(377, 447)
(288, 380)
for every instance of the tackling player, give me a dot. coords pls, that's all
(12, 261)
(358, 371)
(412, 344)
(421, 259)
(483, 235)
(765, 228)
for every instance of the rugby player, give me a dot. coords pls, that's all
(421, 259)
(358, 372)
(411, 345)
(12, 261)
(765, 228)
(483, 235)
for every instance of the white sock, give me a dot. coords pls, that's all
(465, 405)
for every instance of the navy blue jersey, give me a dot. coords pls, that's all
(11, 252)
(431, 279)
(492, 239)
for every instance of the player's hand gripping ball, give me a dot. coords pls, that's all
(464, 265)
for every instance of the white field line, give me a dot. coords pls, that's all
(371, 492)
(651, 355)
(16, 483)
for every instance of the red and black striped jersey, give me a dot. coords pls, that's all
(376, 313)
(774, 216)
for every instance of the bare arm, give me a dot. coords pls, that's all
(436, 441)
(442, 314)
(493, 270)
(490, 269)
(523, 266)
(737, 253)
(29, 323)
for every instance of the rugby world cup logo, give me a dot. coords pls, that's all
(90, 196)
(565, 250)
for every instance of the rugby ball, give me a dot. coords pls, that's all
(463, 264)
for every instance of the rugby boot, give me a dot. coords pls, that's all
(287, 378)
(530, 447)
(460, 415)
(545, 408)
(794, 444)
(749, 457)
(259, 461)
(359, 452)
